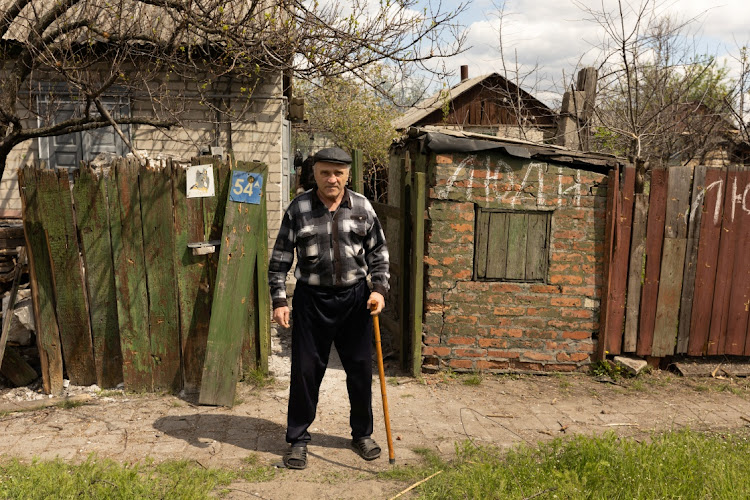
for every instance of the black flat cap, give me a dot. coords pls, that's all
(333, 155)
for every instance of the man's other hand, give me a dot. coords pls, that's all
(281, 316)
(375, 303)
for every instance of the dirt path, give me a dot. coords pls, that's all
(433, 413)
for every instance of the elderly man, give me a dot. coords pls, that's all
(339, 242)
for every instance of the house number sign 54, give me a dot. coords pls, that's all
(246, 187)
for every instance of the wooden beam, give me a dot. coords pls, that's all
(90, 196)
(705, 267)
(635, 273)
(691, 257)
(234, 279)
(67, 273)
(654, 242)
(42, 288)
(613, 188)
(130, 275)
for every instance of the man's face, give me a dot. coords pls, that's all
(331, 179)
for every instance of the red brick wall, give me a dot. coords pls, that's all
(511, 326)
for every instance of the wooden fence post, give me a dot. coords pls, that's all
(417, 267)
(357, 172)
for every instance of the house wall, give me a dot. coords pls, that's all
(255, 133)
(503, 325)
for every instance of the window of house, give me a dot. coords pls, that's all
(511, 245)
(67, 151)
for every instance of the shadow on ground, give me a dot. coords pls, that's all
(245, 432)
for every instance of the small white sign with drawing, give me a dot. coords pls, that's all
(200, 181)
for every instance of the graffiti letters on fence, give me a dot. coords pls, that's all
(740, 197)
(509, 189)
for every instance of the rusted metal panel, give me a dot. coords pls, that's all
(739, 295)
(90, 196)
(691, 257)
(618, 273)
(724, 267)
(654, 239)
(705, 267)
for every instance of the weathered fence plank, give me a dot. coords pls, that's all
(613, 188)
(497, 245)
(158, 248)
(654, 239)
(691, 257)
(239, 247)
(42, 288)
(705, 266)
(130, 275)
(517, 235)
(724, 267)
(70, 301)
(263, 292)
(419, 205)
(192, 280)
(90, 196)
(635, 272)
(618, 272)
(482, 241)
(739, 293)
(673, 261)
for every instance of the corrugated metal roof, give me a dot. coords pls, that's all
(440, 140)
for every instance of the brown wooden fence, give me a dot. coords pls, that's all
(118, 294)
(677, 273)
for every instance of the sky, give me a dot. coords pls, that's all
(555, 37)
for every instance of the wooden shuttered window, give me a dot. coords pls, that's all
(512, 246)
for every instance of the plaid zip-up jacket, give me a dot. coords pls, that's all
(334, 249)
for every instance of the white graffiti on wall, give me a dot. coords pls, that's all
(743, 199)
(466, 171)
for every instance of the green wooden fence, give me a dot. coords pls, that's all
(118, 294)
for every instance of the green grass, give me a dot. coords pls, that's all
(472, 379)
(684, 464)
(95, 479)
(257, 378)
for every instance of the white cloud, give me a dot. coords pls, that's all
(556, 36)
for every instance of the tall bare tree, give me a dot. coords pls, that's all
(659, 101)
(95, 47)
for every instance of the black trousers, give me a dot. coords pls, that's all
(323, 316)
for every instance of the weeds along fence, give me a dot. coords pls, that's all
(118, 294)
(677, 279)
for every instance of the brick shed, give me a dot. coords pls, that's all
(512, 258)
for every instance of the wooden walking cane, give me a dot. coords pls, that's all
(379, 350)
